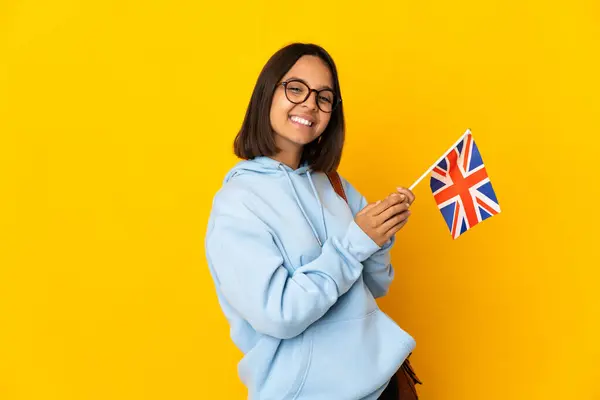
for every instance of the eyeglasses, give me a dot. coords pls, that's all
(298, 92)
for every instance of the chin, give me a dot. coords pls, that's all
(294, 140)
(304, 140)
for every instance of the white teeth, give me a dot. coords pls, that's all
(301, 121)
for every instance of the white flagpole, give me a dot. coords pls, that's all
(439, 159)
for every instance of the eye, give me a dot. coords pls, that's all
(296, 88)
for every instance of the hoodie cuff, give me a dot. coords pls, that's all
(360, 245)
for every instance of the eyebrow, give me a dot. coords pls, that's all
(300, 79)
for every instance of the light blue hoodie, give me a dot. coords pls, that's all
(297, 279)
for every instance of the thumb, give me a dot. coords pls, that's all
(368, 207)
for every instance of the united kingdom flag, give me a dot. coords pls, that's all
(462, 189)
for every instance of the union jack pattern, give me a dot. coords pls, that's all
(462, 189)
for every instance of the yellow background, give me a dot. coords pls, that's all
(116, 124)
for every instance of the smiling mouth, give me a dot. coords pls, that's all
(301, 121)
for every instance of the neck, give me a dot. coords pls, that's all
(291, 159)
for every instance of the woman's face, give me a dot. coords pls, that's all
(296, 125)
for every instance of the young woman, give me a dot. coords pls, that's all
(296, 267)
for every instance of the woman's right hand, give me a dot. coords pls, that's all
(381, 220)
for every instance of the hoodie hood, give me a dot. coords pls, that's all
(269, 166)
(264, 165)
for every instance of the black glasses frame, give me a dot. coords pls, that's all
(336, 99)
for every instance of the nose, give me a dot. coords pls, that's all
(311, 102)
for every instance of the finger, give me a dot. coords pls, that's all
(395, 220)
(391, 211)
(388, 235)
(385, 204)
(395, 229)
(402, 195)
(368, 207)
(408, 193)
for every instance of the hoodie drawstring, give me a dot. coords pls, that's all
(302, 208)
(312, 185)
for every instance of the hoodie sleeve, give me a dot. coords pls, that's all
(378, 271)
(248, 267)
